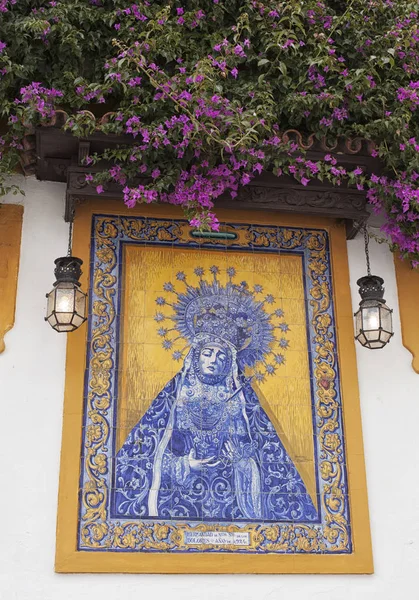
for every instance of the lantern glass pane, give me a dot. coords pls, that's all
(362, 339)
(386, 318)
(64, 298)
(358, 322)
(50, 302)
(385, 336)
(64, 318)
(376, 344)
(80, 304)
(77, 320)
(371, 336)
(64, 327)
(370, 317)
(52, 320)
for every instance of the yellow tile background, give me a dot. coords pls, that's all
(146, 367)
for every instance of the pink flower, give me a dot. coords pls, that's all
(325, 122)
(238, 50)
(99, 189)
(371, 80)
(155, 173)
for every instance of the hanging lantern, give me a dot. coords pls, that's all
(373, 320)
(66, 307)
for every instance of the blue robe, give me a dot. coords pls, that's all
(257, 481)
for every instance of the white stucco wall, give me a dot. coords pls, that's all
(31, 398)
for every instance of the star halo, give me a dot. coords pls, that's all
(244, 316)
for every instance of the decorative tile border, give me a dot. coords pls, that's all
(97, 530)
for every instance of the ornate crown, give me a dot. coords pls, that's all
(233, 312)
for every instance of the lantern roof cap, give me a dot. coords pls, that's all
(371, 288)
(68, 269)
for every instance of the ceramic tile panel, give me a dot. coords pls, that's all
(212, 420)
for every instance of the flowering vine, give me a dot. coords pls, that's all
(204, 88)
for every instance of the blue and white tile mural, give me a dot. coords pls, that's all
(205, 466)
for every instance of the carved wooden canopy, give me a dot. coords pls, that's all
(55, 155)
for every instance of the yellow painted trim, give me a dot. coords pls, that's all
(408, 291)
(68, 559)
(11, 216)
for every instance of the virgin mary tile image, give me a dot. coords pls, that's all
(206, 449)
(212, 404)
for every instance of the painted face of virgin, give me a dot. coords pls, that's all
(212, 359)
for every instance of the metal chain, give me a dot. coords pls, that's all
(367, 254)
(70, 238)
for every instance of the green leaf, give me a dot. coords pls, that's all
(283, 68)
